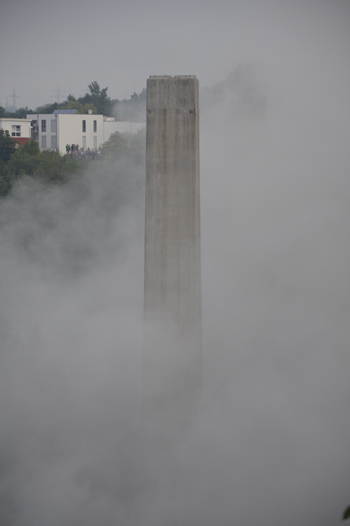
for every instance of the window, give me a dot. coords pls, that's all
(95, 126)
(53, 126)
(43, 125)
(53, 141)
(84, 126)
(84, 141)
(95, 142)
(15, 131)
(43, 141)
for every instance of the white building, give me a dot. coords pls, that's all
(19, 129)
(56, 130)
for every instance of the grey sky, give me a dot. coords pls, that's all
(118, 43)
(271, 445)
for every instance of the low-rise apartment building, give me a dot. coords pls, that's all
(66, 127)
(56, 130)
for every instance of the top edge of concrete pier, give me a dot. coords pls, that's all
(172, 77)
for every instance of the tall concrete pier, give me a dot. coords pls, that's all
(172, 237)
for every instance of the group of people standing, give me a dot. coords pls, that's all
(74, 150)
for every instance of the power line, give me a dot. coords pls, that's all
(58, 92)
(14, 97)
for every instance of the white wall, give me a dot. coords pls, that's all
(70, 131)
(44, 137)
(6, 124)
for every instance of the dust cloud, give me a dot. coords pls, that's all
(270, 443)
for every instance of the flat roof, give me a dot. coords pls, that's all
(13, 119)
(70, 112)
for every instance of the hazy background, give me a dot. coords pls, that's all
(46, 43)
(271, 444)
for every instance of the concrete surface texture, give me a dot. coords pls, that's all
(172, 236)
(172, 241)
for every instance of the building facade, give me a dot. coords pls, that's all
(19, 129)
(54, 131)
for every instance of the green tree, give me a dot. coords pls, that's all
(47, 108)
(137, 145)
(126, 146)
(48, 166)
(80, 107)
(116, 147)
(55, 168)
(98, 97)
(133, 109)
(5, 179)
(7, 146)
(21, 113)
(25, 160)
(346, 514)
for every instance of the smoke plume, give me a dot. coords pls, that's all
(270, 441)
